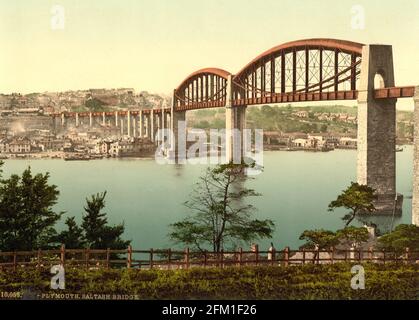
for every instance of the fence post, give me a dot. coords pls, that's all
(304, 256)
(151, 258)
(205, 258)
(222, 258)
(346, 255)
(370, 254)
(14, 260)
(286, 256)
(62, 254)
(257, 254)
(187, 258)
(384, 257)
(108, 257)
(240, 257)
(360, 255)
(39, 259)
(273, 256)
(86, 257)
(129, 257)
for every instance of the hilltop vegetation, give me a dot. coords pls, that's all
(306, 119)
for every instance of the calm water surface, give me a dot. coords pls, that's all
(296, 188)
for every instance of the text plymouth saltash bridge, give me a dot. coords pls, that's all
(305, 70)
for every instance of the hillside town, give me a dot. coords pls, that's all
(27, 129)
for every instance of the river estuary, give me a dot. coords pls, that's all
(296, 189)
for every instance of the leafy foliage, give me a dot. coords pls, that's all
(358, 198)
(221, 216)
(404, 236)
(27, 217)
(325, 239)
(320, 239)
(308, 282)
(73, 237)
(353, 235)
(98, 234)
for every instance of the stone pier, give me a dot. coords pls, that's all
(235, 125)
(377, 129)
(129, 123)
(177, 150)
(152, 133)
(415, 200)
(140, 124)
(147, 125)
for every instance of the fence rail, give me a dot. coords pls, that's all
(166, 259)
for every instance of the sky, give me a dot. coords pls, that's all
(153, 45)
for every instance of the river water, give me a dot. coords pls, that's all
(296, 189)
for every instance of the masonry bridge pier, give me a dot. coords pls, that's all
(304, 71)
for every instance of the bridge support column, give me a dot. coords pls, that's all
(235, 125)
(377, 129)
(62, 119)
(77, 119)
(129, 123)
(103, 119)
(152, 133)
(90, 120)
(122, 127)
(140, 124)
(178, 136)
(163, 124)
(415, 200)
(177, 152)
(116, 119)
(147, 125)
(159, 121)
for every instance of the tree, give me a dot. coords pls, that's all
(320, 239)
(97, 233)
(404, 236)
(358, 198)
(27, 217)
(220, 216)
(73, 237)
(94, 105)
(353, 235)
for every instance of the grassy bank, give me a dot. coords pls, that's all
(305, 282)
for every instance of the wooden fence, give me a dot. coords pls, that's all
(90, 259)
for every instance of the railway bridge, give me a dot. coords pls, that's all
(299, 71)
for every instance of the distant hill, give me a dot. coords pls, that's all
(307, 119)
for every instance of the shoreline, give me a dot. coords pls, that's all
(61, 155)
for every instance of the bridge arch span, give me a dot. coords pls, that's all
(303, 66)
(206, 88)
